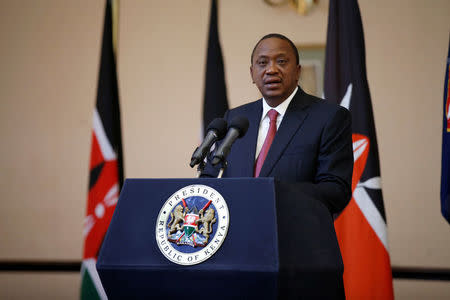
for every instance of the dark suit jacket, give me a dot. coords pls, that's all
(311, 151)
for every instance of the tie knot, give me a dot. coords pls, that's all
(273, 114)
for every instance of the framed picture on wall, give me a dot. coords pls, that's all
(312, 60)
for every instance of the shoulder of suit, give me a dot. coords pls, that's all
(324, 104)
(325, 109)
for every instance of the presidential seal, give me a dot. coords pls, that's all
(192, 225)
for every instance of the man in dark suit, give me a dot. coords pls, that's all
(305, 144)
(311, 146)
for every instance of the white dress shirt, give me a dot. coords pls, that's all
(265, 121)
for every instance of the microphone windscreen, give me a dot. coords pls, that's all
(219, 125)
(241, 124)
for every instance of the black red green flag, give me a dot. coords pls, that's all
(215, 102)
(361, 228)
(106, 164)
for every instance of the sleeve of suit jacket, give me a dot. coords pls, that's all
(332, 183)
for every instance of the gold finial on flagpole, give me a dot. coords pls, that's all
(302, 7)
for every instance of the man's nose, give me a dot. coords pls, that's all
(271, 68)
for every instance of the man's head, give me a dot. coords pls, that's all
(275, 67)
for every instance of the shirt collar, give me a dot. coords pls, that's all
(281, 108)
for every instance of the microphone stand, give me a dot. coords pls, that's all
(200, 168)
(223, 167)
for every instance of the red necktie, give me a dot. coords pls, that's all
(273, 114)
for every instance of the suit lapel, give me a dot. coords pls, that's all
(249, 143)
(292, 121)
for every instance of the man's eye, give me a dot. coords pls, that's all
(282, 61)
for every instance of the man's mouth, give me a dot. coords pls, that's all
(272, 82)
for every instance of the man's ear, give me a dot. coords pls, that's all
(299, 71)
(251, 73)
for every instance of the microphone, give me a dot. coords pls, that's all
(216, 131)
(237, 129)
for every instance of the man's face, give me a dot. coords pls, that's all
(274, 70)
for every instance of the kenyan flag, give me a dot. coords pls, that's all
(361, 228)
(106, 171)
